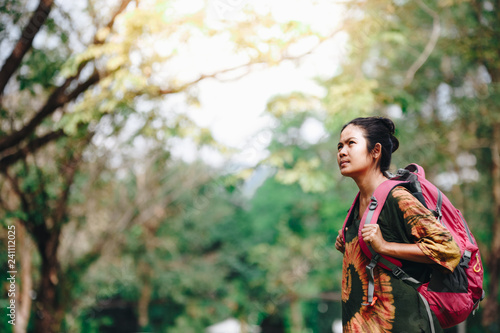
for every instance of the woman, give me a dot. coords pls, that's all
(406, 230)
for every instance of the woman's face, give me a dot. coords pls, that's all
(352, 155)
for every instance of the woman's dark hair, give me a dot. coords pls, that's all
(378, 130)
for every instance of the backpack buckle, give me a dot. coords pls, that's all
(402, 173)
(375, 298)
(373, 203)
(398, 272)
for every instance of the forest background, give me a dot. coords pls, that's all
(117, 231)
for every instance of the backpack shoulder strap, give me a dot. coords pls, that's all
(370, 216)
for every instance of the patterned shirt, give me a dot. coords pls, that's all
(398, 307)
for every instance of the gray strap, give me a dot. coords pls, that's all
(371, 210)
(375, 256)
(371, 280)
(429, 313)
(439, 205)
(395, 269)
(399, 273)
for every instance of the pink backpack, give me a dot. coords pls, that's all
(452, 297)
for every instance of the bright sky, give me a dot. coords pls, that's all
(234, 110)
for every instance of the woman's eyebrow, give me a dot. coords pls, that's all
(352, 137)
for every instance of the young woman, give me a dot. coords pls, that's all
(406, 230)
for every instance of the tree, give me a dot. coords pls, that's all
(433, 67)
(443, 60)
(296, 215)
(64, 89)
(152, 222)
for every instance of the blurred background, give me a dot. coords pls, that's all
(170, 166)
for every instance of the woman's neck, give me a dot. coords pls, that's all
(369, 183)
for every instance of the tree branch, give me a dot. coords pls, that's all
(69, 171)
(58, 97)
(436, 31)
(56, 100)
(24, 43)
(123, 6)
(32, 146)
(247, 65)
(14, 182)
(203, 77)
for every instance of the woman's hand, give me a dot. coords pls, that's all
(339, 243)
(373, 237)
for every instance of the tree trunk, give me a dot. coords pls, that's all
(143, 306)
(490, 307)
(296, 315)
(25, 247)
(243, 326)
(49, 313)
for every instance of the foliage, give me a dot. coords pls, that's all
(125, 233)
(433, 68)
(86, 91)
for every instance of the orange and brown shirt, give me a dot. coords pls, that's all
(398, 308)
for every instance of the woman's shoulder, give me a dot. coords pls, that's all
(401, 193)
(402, 198)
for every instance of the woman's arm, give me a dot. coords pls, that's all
(373, 236)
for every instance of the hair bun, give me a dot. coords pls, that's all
(391, 128)
(389, 124)
(395, 143)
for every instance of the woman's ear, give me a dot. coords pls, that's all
(377, 151)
